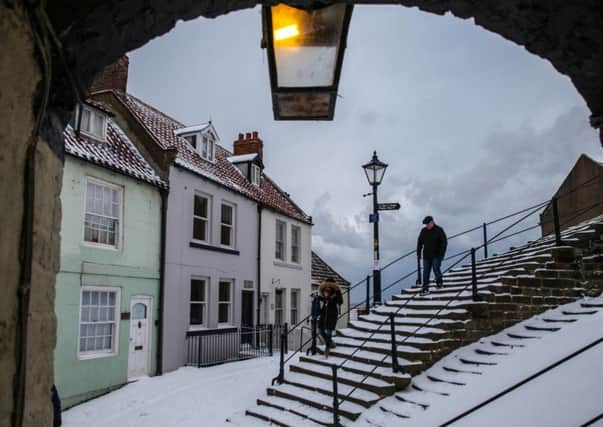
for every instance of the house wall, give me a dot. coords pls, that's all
(134, 268)
(286, 275)
(580, 205)
(184, 262)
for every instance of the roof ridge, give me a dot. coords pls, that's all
(146, 104)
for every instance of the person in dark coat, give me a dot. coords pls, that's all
(56, 407)
(432, 244)
(331, 299)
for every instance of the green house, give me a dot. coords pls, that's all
(108, 287)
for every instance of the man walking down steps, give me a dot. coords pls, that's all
(432, 242)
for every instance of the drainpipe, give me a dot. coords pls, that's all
(164, 200)
(259, 297)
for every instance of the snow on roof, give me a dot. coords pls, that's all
(162, 129)
(117, 153)
(191, 129)
(243, 158)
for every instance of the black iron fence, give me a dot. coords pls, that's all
(215, 346)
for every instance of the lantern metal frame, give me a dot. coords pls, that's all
(331, 91)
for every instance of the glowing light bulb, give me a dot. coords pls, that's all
(286, 32)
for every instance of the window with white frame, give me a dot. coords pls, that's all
(201, 218)
(192, 140)
(294, 304)
(227, 225)
(225, 301)
(295, 243)
(208, 147)
(198, 311)
(93, 122)
(99, 320)
(281, 236)
(102, 217)
(279, 306)
(255, 174)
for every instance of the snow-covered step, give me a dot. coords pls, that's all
(405, 330)
(441, 374)
(376, 385)
(358, 395)
(307, 412)
(279, 417)
(367, 370)
(423, 383)
(375, 358)
(316, 400)
(418, 342)
(401, 409)
(453, 314)
(403, 350)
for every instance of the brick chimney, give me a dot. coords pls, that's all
(248, 144)
(114, 76)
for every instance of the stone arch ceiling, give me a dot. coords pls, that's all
(569, 34)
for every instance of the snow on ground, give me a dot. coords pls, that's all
(569, 395)
(185, 398)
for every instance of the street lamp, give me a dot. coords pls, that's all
(374, 170)
(305, 53)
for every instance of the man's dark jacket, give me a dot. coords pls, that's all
(433, 242)
(330, 311)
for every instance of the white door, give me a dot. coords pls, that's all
(140, 341)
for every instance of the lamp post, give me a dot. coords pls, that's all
(305, 52)
(374, 170)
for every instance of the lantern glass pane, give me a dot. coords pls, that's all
(306, 44)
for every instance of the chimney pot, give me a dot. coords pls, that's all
(255, 134)
(240, 137)
(247, 135)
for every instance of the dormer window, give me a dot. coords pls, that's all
(192, 140)
(93, 123)
(255, 174)
(202, 138)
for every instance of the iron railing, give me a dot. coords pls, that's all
(215, 346)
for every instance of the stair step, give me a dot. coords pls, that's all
(372, 384)
(316, 400)
(440, 323)
(403, 348)
(379, 359)
(506, 344)
(453, 314)
(280, 417)
(366, 369)
(306, 412)
(383, 334)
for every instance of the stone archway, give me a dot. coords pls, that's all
(37, 79)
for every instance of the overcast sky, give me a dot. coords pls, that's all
(471, 125)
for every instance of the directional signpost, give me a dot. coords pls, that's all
(388, 206)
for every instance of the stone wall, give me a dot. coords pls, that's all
(26, 339)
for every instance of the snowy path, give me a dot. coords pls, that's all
(188, 397)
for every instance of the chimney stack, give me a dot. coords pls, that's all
(113, 77)
(249, 144)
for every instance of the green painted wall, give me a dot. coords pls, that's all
(134, 268)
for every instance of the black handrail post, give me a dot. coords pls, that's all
(473, 276)
(270, 343)
(314, 336)
(199, 338)
(368, 293)
(284, 341)
(556, 221)
(395, 366)
(280, 378)
(336, 422)
(485, 229)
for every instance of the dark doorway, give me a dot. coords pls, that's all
(247, 316)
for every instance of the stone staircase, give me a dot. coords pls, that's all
(512, 287)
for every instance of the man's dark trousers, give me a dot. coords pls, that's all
(428, 264)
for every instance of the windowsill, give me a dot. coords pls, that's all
(86, 356)
(197, 245)
(100, 246)
(225, 325)
(288, 265)
(96, 138)
(197, 328)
